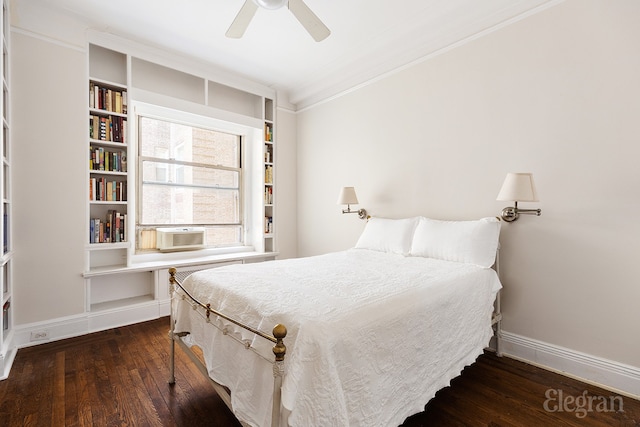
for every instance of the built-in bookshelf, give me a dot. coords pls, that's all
(107, 236)
(7, 348)
(122, 286)
(269, 182)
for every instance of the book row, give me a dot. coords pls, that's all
(104, 98)
(268, 153)
(112, 229)
(5, 233)
(268, 132)
(101, 159)
(268, 224)
(268, 195)
(5, 315)
(112, 128)
(268, 174)
(104, 190)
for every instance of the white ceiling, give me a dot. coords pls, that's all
(368, 37)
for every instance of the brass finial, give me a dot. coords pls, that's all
(279, 350)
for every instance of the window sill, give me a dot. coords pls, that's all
(160, 262)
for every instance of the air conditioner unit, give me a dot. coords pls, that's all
(179, 238)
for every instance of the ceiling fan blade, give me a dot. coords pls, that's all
(242, 20)
(309, 20)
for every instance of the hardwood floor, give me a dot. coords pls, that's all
(119, 378)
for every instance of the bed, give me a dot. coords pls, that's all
(372, 332)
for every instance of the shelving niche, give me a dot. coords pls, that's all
(7, 347)
(269, 181)
(108, 239)
(108, 149)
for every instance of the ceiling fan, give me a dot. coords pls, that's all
(300, 10)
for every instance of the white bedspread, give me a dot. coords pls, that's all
(371, 336)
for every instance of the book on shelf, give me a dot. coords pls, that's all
(268, 174)
(101, 159)
(267, 154)
(5, 315)
(268, 195)
(268, 224)
(104, 190)
(107, 99)
(5, 234)
(268, 132)
(111, 128)
(111, 229)
(124, 102)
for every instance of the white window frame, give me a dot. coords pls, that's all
(252, 190)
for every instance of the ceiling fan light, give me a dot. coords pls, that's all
(270, 4)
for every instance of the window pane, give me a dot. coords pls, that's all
(169, 173)
(168, 205)
(165, 140)
(188, 176)
(223, 236)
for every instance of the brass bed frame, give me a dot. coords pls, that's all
(279, 349)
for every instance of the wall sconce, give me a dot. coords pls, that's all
(348, 197)
(518, 187)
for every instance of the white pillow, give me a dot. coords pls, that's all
(473, 242)
(388, 235)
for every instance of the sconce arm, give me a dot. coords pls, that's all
(536, 212)
(512, 213)
(362, 214)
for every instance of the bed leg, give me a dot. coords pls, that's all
(498, 340)
(499, 324)
(279, 350)
(498, 308)
(278, 371)
(172, 356)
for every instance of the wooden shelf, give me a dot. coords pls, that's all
(120, 303)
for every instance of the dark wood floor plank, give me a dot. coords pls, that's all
(514, 404)
(154, 395)
(119, 377)
(84, 383)
(58, 401)
(158, 369)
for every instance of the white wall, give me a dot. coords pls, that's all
(49, 161)
(286, 184)
(556, 94)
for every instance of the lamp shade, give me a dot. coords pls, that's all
(270, 4)
(518, 187)
(348, 196)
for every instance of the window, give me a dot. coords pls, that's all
(188, 176)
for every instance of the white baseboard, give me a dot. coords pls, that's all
(6, 360)
(57, 329)
(614, 376)
(73, 326)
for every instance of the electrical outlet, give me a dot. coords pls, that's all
(39, 335)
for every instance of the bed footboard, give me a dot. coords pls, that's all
(279, 349)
